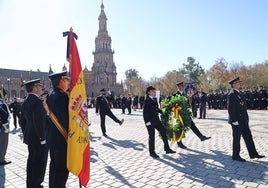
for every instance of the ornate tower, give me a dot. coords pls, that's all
(104, 73)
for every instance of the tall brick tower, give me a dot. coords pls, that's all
(104, 73)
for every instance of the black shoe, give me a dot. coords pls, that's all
(180, 145)
(121, 122)
(199, 118)
(238, 159)
(203, 138)
(105, 135)
(257, 156)
(170, 151)
(154, 155)
(4, 163)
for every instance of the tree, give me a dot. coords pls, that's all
(193, 69)
(131, 73)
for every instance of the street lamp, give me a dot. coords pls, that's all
(8, 89)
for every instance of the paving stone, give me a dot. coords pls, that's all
(122, 159)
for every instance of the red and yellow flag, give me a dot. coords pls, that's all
(78, 154)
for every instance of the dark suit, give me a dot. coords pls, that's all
(103, 107)
(193, 127)
(150, 114)
(202, 105)
(33, 122)
(238, 113)
(57, 102)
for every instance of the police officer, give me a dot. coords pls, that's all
(4, 130)
(58, 101)
(15, 109)
(180, 86)
(103, 108)
(238, 118)
(152, 122)
(33, 122)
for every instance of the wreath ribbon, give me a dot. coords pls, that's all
(177, 116)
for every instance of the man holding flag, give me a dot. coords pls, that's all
(57, 104)
(78, 157)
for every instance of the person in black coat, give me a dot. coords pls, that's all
(152, 122)
(202, 104)
(58, 101)
(33, 122)
(193, 127)
(4, 130)
(103, 108)
(238, 118)
(14, 108)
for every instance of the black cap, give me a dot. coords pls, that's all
(179, 83)
(149, 89)
(58, 76)
(103, 90)
(34, 82)
(235, 80)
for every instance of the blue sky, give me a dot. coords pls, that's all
(153, 37)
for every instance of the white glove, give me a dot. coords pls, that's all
(235, 123)
(148, 123)
(5, 125)
(43, 142)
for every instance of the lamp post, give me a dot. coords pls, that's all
(8, 89)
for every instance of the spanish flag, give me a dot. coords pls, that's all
(78, 155)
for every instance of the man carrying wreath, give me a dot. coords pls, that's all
(152, 122)
(179, 92)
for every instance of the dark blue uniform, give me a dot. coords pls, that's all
(57, 102)
(33, 122)
(103, 107)
(237, 109)
(150, 114)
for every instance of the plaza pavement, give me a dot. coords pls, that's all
(122, 159)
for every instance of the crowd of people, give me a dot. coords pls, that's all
(42, 134)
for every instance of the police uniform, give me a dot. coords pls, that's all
(152, 122)
(4, 130)
(193, 126)
(33, 122)
(103, 107)
(58, 101)
(15, 109)
(238, 118)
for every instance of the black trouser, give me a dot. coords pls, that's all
(129, 109)
(36, 165)
(243, 129)
(15, 116)
(151, 131)
(111, 115)
(58, 172)
(195, 130)
(202, 110)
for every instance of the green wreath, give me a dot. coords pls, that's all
(176, 117)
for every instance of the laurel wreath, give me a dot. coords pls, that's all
(176, 124)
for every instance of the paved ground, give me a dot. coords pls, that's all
(122, 159)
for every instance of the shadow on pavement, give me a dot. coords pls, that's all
(216, 169)
(2, 176)
(124, 143)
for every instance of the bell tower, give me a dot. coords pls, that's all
(104, 73)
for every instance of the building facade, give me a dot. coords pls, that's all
(102, 74)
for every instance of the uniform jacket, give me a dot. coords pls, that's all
(203, 97)
(58, 102)
(151, 111)
(102, 104)
(237, 107)
(4, 115)
(33, 120)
